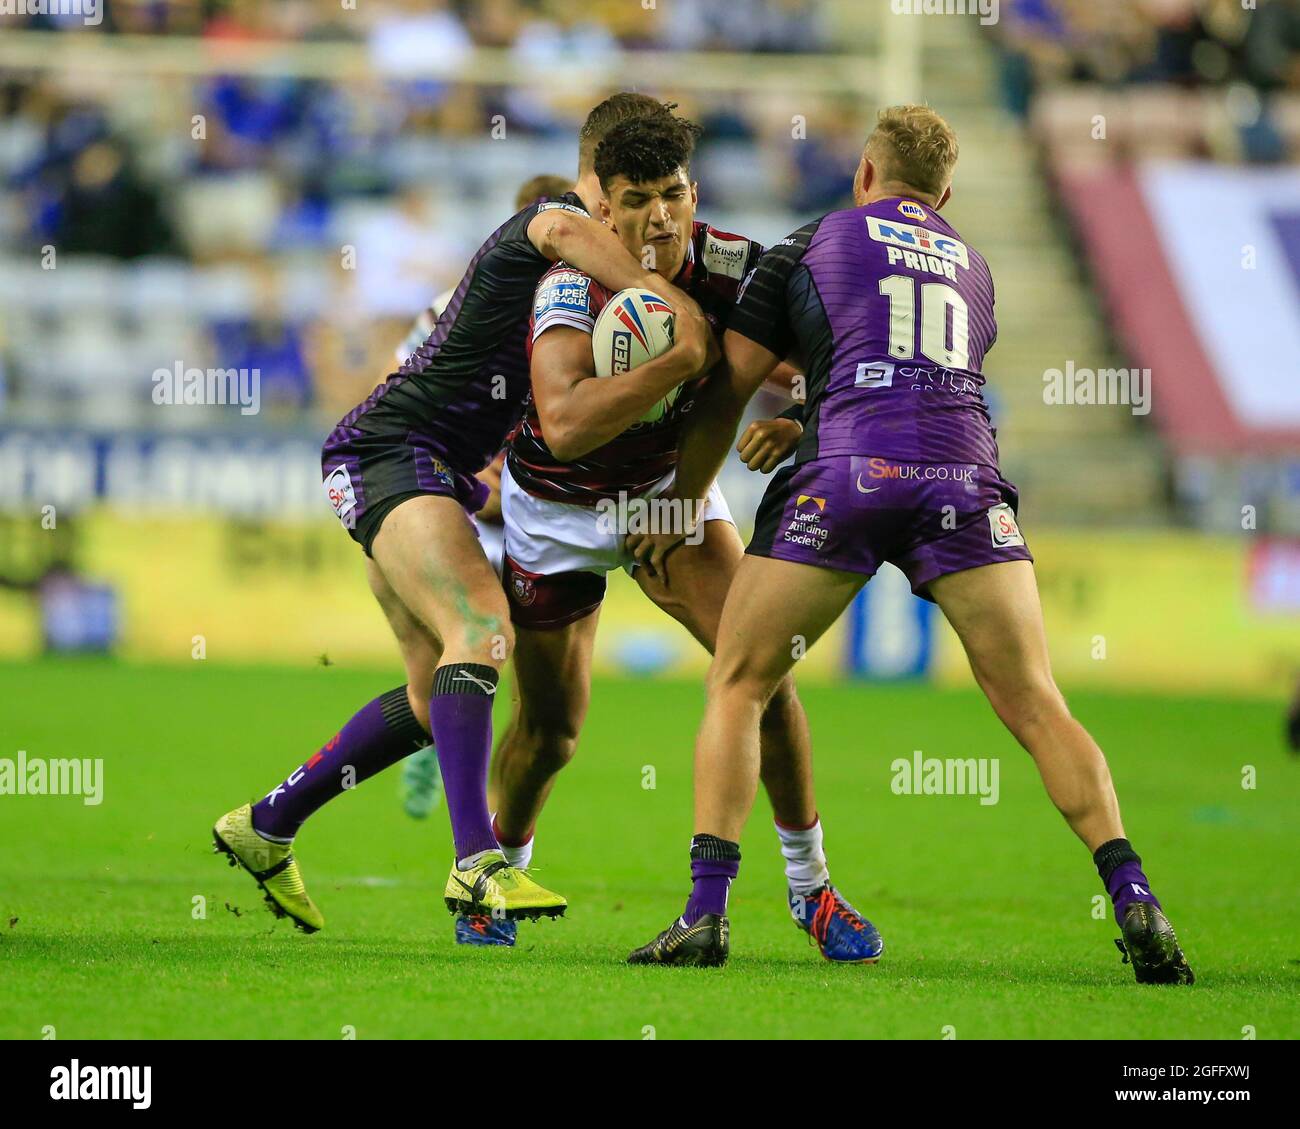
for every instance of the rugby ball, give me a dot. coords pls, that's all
(634, 327)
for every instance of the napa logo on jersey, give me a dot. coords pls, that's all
(725, 255)
(913, 211)
(564, 292)
(919, 239)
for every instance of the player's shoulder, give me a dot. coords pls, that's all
(724, 254)
(515, 229)
(569, 202)
(566, 295)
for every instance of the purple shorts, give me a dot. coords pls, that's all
(367, 476)
(851, 512)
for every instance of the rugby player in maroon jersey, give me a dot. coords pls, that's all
(582, 455)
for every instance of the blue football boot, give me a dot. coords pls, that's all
(839, 931)
(484, 929)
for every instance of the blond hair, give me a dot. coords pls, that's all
(913, 146)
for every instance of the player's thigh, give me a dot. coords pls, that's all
(776, 610)
(419, 647)
(699, 577)
(430, 556)
(553, 676)
(997, 615)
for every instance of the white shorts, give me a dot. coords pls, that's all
(557, 554)
(547, 537)
(492, 536)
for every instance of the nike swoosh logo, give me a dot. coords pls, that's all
(486, 687)
(867, 489)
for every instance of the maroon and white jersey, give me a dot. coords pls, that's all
(716, 264)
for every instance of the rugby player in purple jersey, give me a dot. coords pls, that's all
(399, 471)
(892, 314)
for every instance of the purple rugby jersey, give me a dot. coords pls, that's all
(464, 389)
(891, 314)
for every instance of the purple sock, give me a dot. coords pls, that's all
(460, 713)
(1121, 871)
(714, 863)
(381, 733)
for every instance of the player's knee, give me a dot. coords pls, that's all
(739, 676)
(1027, 710)
(488, 639)
(549, 739)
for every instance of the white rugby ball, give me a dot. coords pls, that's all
(634, 327)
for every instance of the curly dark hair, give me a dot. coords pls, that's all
(617, 108)
(647, 148)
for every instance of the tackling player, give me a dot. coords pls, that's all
(421, 781)
(573, 455)
(893, 314)
(399, 471)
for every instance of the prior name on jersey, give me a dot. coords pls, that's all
(892, 314)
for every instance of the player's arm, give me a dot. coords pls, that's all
(787, 379)
(767, 443)
(758, 336)
(490, 475)
(717, 411)
(579, 411)
(589, 246)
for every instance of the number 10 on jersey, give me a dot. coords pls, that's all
(939, 344)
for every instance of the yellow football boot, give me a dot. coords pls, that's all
(494, 887)
(272, 865)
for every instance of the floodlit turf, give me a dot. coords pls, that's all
(986, 910)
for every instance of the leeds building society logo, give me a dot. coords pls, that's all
(805, 526)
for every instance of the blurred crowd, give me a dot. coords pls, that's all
(1213, 78)
(538, 28)
(362, 198)
(1185, 42)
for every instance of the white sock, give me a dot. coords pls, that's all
(517, 856)
(805, 861)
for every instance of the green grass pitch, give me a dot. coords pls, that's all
(986, 910)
